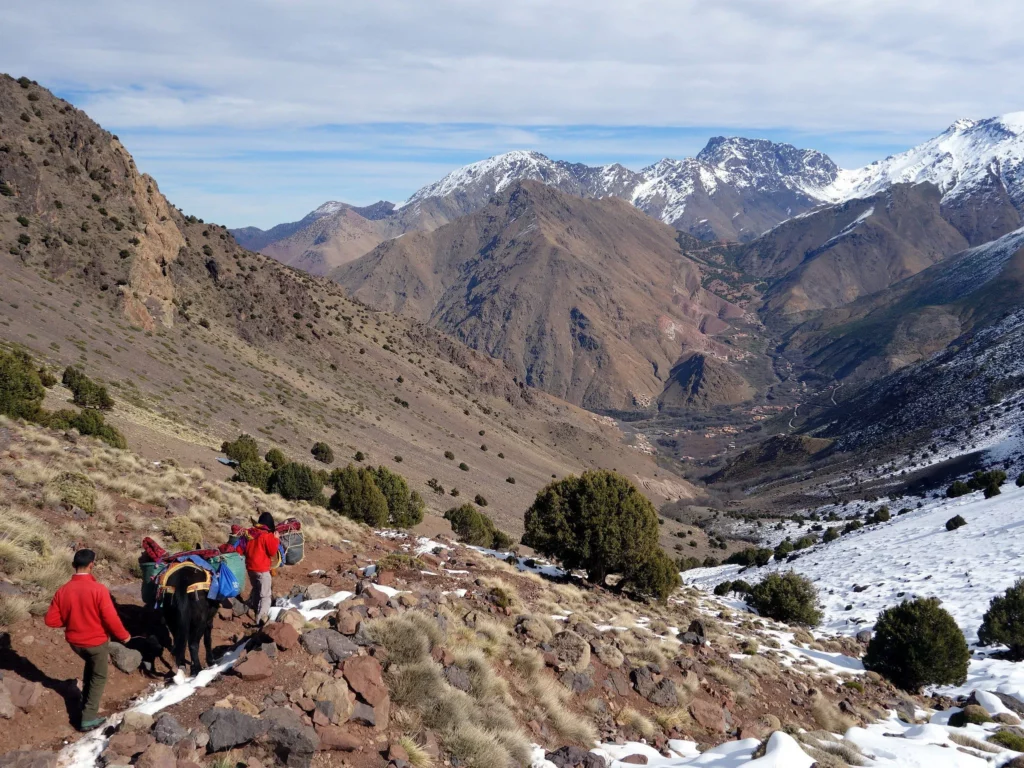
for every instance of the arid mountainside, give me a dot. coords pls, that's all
(589, 300)
(832, 256)
(199, 339)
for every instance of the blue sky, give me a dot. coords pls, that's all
(255, 112)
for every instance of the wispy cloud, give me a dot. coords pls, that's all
(361, 99)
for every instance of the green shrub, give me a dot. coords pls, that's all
(653, 576)
(357, 496)
(21, 391)
(784, 549)
(806, 541)
(981, 480)
(1004, 621)
(510, 480)
(598, 521)
(360, 456)
(464, 467)
(480, 501)
(918, 643)
(955, 522)
(1009, 739)
(957, 489)
(473, 527)
(323, 453)
(87, 422)
(298, 482)
(992, 489)
(723, 588)
(853, 525)
(86, 392)
(276, 458)
(1020, 480)
(831, 534)
(750, 556)
(256, 473)
(449, 455)
(405, 509)
(46, 378)
(740, 586)
(789, 598)
(243, 448)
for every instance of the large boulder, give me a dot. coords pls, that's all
(293, 741)
(533, 628)
(256, 666)
(332, 645)
(571, 650)
(575, 757)
(284, 636)
(708, 715)
(293, 618)
(167, 730)
(348, 621)
(366, 677)
(325, 690)
(24, 695)
(134, 720)
(125, 659)
(317, 591)
(650, 684)
(157, 756)
(230, 728)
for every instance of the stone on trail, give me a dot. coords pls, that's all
(317, 591)
(136, 721)
(366, 677)
(157, 756)
(575, 757)
(29, 758)
(125, 659)
(167, 730)
(348, 621)
(23, 694)
(332, 645)
(333, 737)
(229, 728)
(256, 666)
(7, 708)
(284, 636)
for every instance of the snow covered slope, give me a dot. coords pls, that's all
(963, 159)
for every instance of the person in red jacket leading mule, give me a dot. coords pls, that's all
(84, 610)
(260, 551)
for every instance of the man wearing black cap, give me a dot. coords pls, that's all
(84, 610)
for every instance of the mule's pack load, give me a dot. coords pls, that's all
(289, 533)
(225, 570)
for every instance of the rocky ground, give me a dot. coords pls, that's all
(386, 647)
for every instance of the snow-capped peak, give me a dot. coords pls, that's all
(332, 206)
(967, 156)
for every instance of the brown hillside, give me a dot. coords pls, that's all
(589, 300)
(199, 339)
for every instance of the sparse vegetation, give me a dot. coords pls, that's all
(955, 522)
(241, 449)
(918, 643)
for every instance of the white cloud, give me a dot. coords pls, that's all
(215, 96)
(813, 64)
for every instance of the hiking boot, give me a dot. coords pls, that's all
(88, 725)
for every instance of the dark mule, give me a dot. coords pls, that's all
(189, 616)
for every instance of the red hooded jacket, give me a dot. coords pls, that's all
(83, 608)
(260, 550)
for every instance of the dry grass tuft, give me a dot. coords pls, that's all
(828, 717)
(13, 608)
(418, 756)
(408, 637)
(969, 743)
(630, 718)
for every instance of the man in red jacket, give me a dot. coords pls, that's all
(84, 610)
(259, 556)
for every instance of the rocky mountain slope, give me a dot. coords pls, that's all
(199, 339)
(589, 300)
